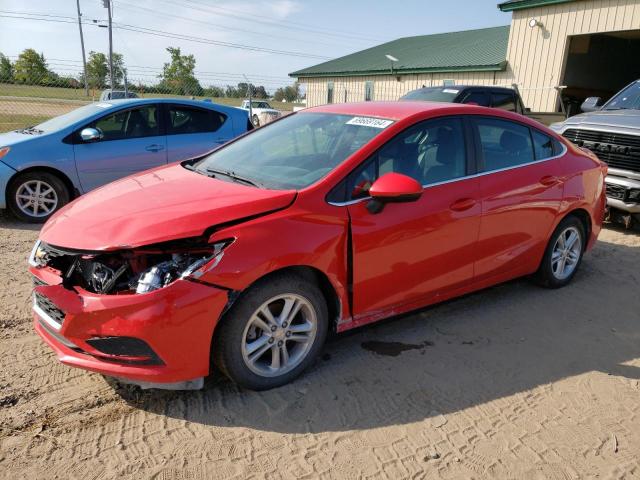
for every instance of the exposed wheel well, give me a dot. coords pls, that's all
(65, 179)
(320, 279)
(584, 217)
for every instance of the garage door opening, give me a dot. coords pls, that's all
(599, 65)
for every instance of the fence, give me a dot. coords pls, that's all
(23, 105)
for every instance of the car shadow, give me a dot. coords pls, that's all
(512, 339)
(10, 222)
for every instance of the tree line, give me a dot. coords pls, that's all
(177, 77)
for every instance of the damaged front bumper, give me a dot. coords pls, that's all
(159, 339)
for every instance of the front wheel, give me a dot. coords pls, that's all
(255, 120)
(272, 333)
(34, 196)
(563, 254)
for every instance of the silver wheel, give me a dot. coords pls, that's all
(279, 335)
(566, 253)
(36, 198)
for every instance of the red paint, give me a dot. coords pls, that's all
(455, 238)
(395, 185)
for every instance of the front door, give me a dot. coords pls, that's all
(411, 252)
(132, 141)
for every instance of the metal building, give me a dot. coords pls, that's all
(580, 48)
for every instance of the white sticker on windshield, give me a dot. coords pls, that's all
(450, 90)
(104, 105)
(370, 122)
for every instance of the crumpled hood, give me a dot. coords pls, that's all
(159, 205)
(611, 118)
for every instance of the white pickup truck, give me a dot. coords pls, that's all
(261, 112)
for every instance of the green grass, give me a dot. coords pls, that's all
(9, 122)
(35, 91)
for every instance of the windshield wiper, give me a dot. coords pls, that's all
(232, 175)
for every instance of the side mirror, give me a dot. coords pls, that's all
(89, 135)
(393, 188)
(591, 104)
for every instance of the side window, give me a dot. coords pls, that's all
(431, 152)
(505, 101)
(542, 144)
(368, 91)
(183, 120)
(134, 123)
(477, 98)
(504, 144)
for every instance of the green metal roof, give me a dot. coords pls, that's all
(470, 50)
(511, 5)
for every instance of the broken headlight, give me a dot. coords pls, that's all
(181, 265)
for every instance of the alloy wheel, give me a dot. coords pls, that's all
(279, 335)
(36, 198)
(566, 253)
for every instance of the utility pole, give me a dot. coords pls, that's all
(249, 94)
(107, 5)
(84, 59)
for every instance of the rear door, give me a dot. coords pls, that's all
(193, 131)
(132, 141)
(521, 190)
(411, 252)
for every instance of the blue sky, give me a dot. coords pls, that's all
(306, 30)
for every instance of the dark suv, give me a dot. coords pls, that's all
(496, 97)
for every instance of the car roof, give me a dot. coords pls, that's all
(392, 110)
(405, 109)
(183, 101)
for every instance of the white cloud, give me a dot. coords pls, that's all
(284, 8)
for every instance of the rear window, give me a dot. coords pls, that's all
(183, 120)
(433, 94)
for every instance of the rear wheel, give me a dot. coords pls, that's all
(34, 196)
(563, 254)
(272, 334)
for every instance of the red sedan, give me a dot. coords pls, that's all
(327, 219)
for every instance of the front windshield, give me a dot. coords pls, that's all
(627, 99)
(294, 152)
(63, 121)
(434, 94)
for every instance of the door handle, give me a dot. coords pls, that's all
(154, 148)
(549, 180)
(462, 204)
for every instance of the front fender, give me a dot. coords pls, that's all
(290, 238)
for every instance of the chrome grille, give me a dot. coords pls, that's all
(616, 149)
(49, 308)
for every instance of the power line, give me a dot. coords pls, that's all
(288, 24)
(126, 6)
(189, 38)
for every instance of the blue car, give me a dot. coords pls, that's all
(45, 166)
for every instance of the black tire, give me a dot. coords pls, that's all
(545, 275)
(62, 195)
(255, 120)
(230, 335)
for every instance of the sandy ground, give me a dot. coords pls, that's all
(512, 382)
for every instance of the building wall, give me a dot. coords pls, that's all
(536, 56)
(385, 87)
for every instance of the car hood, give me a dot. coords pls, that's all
(10, 139)
(610, 118)
(159, 205)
